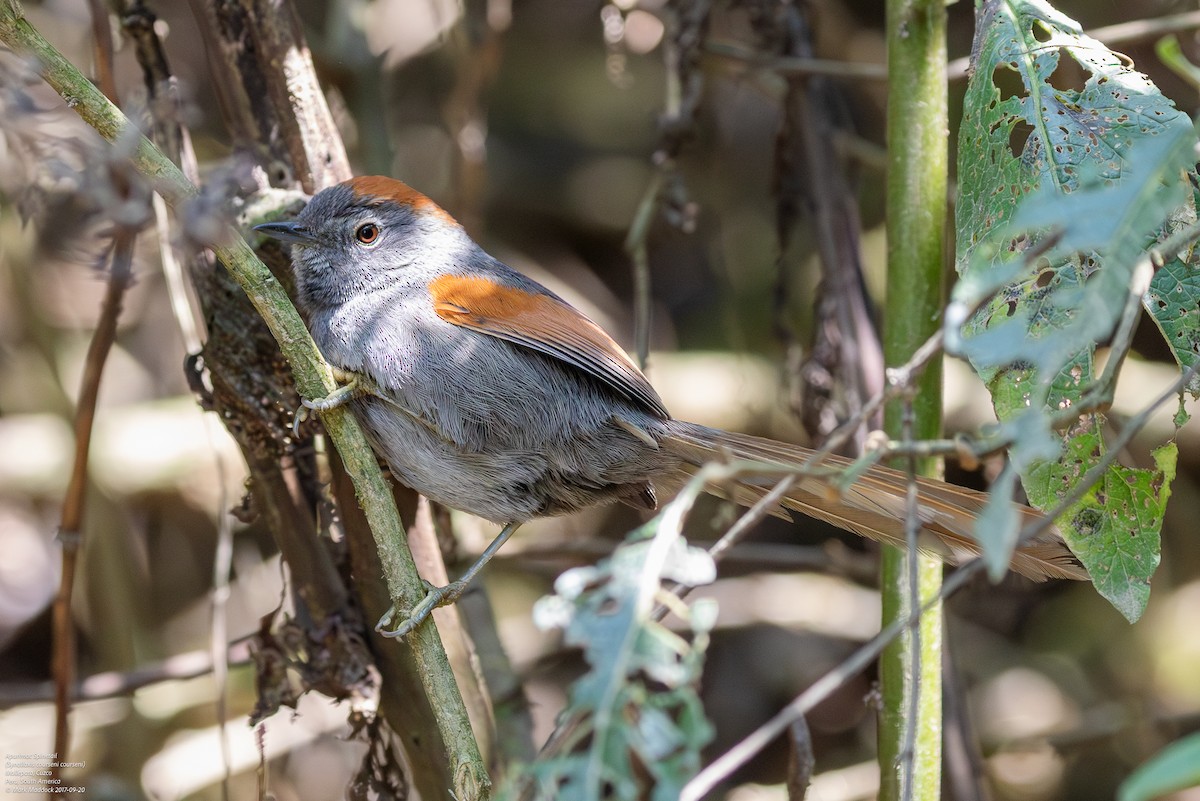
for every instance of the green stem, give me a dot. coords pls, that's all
(313, 380)
(910, 669)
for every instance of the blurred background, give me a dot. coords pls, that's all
(535, 123)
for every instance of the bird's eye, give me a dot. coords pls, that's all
(367, 233)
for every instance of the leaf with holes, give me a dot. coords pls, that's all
(1115, 527)
(1072, 165)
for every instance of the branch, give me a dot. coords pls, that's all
(120, 683)
(70, 533)
(956, 69)
(910, 753)
(665, 192)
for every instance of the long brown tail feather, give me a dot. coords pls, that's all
(874, 506)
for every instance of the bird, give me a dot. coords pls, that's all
(488, 393)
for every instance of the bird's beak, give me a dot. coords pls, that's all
(290, 231)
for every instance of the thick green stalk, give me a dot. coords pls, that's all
(910, 669)
(313, 380)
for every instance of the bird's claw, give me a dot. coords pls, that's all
(434, 597)
(298, 418)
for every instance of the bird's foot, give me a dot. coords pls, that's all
(352, 384)
(441, 596)
(434, 597)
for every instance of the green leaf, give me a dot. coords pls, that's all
(1176, 767)
(998, 526)
(637, 722)
(1181, 414)
(1170, 52)
(1173, 301)
(1062, 191)
(1114, 530)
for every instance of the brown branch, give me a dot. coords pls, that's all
(427, 553)
(71, 529)
(300, 134)
(801, 760)
(797, 65)
(248, 44)
(665, 194)
(121, 683)
(964, 763)
(137, 22)
(269, 91)
(844, 366)
(102, 46)
(404, 702)
(511, 717)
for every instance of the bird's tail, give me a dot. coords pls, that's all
(874, 505)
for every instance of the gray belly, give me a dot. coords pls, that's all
(510, 484)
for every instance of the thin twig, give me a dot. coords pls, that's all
(102, 48)
(1099, 725)
(740, 528)
(831, 558)
(138, 22)
(71, 529)
(122, 683)
(70, 533)
(222, 570)
(821, 689)
(755, 515)
(844, 363)
(899, 380)
(789, 66)
(956, 69)
(964, 762)
(801, 760)
(635, 246)
(686, 26)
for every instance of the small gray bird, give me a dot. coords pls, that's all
(488, 393)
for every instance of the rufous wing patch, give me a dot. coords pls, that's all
(545, 324)
(384, 188)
